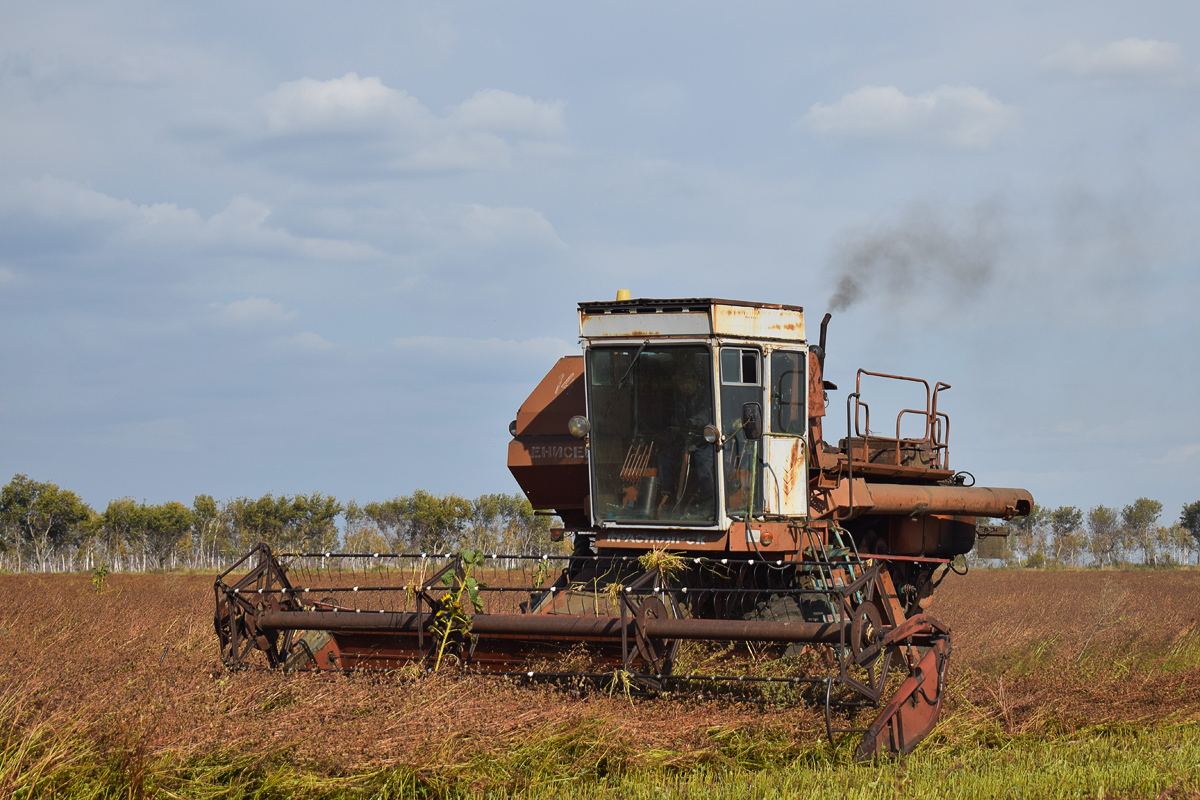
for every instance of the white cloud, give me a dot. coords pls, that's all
(253, 310)
(465, 232)
(345, 104)
(454, 153)
(241, 227)
(7, 276)
(403, 134)
(1127, 59)
(509, 226)
(1182, 453)
(307, 342)
(505, 112)
(95, 61)
(958, 116)
(51, 198)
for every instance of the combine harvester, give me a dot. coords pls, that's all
(718, 539)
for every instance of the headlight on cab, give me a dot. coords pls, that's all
(579, 426)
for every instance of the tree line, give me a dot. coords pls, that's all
(1104, 536)
(45, 528)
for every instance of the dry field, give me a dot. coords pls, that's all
(127, 683)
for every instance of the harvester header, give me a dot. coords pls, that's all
(718, 538)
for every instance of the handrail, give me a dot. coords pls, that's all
(937, 423)
(849, 458)
(943, 438)
(858, 403)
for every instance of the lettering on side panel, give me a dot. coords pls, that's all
(542, 452)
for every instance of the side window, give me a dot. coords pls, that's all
(739, 367)
(788, 405)
(741, 382)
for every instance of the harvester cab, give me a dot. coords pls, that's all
(694, 415)
(719, 540)
(697, 425)
(675, 399)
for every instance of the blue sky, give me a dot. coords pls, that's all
(290, 247)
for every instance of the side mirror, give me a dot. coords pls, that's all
(752, 420)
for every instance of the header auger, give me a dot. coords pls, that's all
(718, 539)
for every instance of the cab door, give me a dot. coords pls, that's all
(742, 459)
(785, 479)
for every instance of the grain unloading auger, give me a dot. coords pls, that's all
(718, 539)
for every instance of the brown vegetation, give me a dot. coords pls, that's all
(135, 667)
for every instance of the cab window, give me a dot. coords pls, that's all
(741, 382)
(788, 407)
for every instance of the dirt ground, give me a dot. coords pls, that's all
(1033, 651)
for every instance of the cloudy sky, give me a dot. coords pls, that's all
(290, 247)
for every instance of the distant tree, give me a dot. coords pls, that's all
(362, 536)
(425, 522)
(10, 540)
(166, 529)
(435, 523)
(44, 516)
(153, 534)
(120, 531)
(507, 522)
(312, 524)
(263, 520)
(1174, 543)
(485, 529)
(1189, 520)
(389, 520)
(1066, 523)
(1104, 540)
(212, 531)
(1029, 535)
(1139, 520)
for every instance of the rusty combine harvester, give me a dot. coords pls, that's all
(718, 539)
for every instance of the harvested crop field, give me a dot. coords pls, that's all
(1073, 683)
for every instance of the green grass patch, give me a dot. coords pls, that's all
(40, 759)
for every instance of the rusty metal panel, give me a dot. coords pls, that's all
(557, 398)
(691, 318)
(546, 451)
(758, 322)
(559, 626)
(890, 498)
(672, 538)
(548, 462)
(816, 386)
(645, 323)
(552, 471)
(776, 540)
(785, 484)
(913, 711)
(992, 546)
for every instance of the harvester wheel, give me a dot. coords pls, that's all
(782, 608)
(657, 653)
(233, 635)
(865, 631)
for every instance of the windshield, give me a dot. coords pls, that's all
(649, 405)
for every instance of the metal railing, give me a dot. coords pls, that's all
(936, 437)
